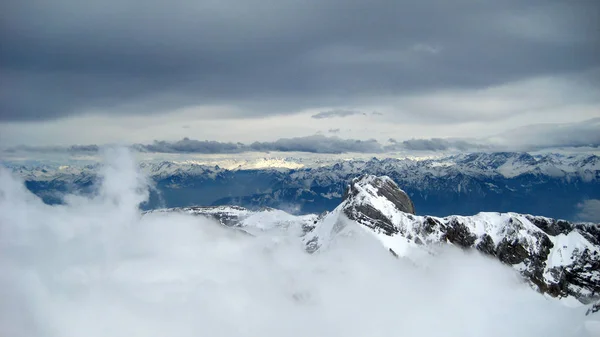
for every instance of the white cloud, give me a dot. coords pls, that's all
(335, 113)
(589, 210)
(549, 135)
(535, 99)
(426, 48)
(94, 267)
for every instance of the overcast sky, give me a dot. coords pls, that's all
(132, 71)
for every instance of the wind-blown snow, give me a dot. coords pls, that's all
(97, 267)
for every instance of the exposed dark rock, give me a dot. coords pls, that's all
(384, 187)
(225, 218)
(594, 309)
(581, 274)
(431, 225)
(458, 234)
(545, 246)
(371, 217)
(307, 228)
(511, 252)
(366, 213)
(551, 226)
(486, 245)
(590, 231)
(312, 245)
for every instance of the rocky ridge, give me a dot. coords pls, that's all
(556, 257)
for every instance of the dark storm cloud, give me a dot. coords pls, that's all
(187, 145)
(336, 113)
(66, 57)
(319, 144)
(311, 144)
(73, 149)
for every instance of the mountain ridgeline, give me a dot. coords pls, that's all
(557, 258)
(552, 185)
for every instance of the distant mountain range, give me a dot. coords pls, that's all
(552, 185)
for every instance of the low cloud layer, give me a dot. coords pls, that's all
(312, 144)
(319, 144)
(96, 266)
(530, 138)
(73, 149)
(336, 113)
(541, 136)
(435, 144)
(589, 210)
(187, 145)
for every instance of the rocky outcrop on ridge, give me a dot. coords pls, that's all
(557, 257)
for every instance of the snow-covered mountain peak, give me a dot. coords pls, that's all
(375, 201)
(374, 190)
(557, 257)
